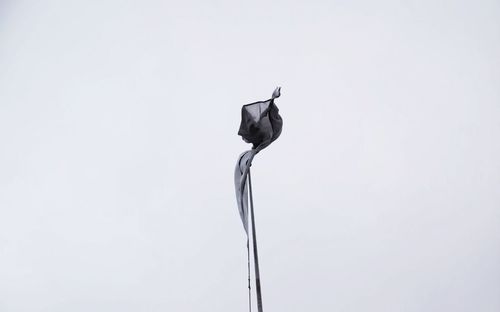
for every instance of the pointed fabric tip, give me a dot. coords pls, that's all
(276, 93)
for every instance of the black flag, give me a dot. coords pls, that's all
(260, 125)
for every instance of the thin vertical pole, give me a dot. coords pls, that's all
(255, 253)
(249, 277)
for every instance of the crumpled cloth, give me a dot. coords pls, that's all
(261, 124)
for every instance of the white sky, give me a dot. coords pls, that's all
(118, 124)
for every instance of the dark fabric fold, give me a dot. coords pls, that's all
(261, 124)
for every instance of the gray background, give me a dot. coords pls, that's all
(118, 125)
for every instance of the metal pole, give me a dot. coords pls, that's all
(249, 277)
(255, 253)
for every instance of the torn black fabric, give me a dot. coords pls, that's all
(261, 124)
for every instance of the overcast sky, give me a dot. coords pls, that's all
(118, 124)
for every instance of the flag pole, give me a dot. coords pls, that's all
(255, 253)
(249, 276)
